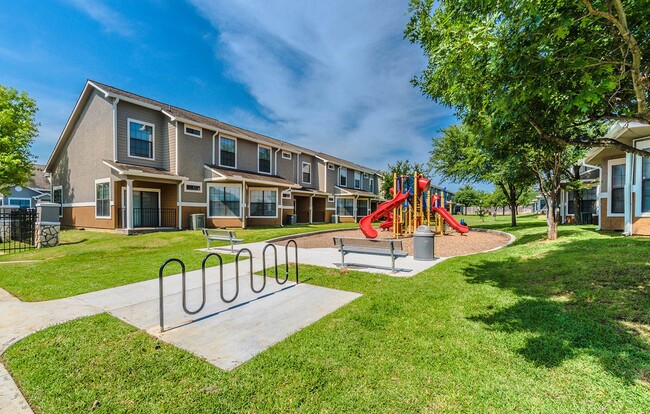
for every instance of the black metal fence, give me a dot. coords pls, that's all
(148, 217)
(17, 227)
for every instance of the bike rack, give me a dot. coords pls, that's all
(221, 284)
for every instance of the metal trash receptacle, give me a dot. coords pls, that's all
(291, 219)
(423, 240)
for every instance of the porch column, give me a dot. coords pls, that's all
(354, 208)
(129, 204)
(629, 170)
(243, 204)
(180, 206)
(311, 209)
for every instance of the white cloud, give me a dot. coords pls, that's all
(111, 20)
(333, 76)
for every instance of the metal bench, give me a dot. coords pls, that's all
(221, 235)
(381, 247)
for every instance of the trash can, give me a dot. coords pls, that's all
(291, 219)
(423, 243)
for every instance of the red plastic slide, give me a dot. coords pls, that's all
(450, 220)
(382, 210)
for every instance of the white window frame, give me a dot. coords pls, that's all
(286, 155)
(330, 199)
(269, 189)
(341, 169)
(19, 198)
(270, 171)
(110, 197)
(200, 135)
(610, 164)
(357, 174)
(302, 173)
(643, 143)
(128, 139)
(331, 167)
(54, 188)
(207, 199)
(198, 183)
(286, 196)
(219, 151)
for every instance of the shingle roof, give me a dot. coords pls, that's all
(120, 166)
(202, 119)
(39, 181)
(247, 175)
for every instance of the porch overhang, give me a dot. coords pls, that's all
(130, 171)
(355, 193)
(225, 175)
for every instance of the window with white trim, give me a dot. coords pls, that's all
(20, 202)
(330, 167)
(103, 198)
(343, 177)
(227, 152)
(224, 201)
(306, 172)
(263, 203)
(193, 131)
(330, 199)
(264, 159)
(617, 193)
(645, 184)
(357, 180)
(345, 207)
(286, 155)
(286, 196)
(193, 187)
(141, 139)
(57, 197)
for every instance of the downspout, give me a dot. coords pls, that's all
(115, 101)
(629, 170)
(176, 149)
(311, 209)
(298, 169)
(180, 206)
(354, 208)
(598, 189)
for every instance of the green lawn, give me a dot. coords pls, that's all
(538, 326)
(88, 261)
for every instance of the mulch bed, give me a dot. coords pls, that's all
(452, 244)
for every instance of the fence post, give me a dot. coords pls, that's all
(48, 225)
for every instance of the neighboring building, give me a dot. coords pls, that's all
(588, 210)
(624, 199)
(124, 161)
(36, 190)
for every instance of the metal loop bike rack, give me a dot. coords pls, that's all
(286, 259)
(160, 290)
(275, 256)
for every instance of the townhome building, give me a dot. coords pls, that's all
(127, 162)
(36, 190)
(624, 197)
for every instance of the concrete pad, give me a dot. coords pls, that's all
(11, 399)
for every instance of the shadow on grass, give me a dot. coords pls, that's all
(579, 299)
(71, 243)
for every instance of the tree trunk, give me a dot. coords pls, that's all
(551, 217)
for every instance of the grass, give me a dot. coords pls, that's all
(548, 327)
(88, 261)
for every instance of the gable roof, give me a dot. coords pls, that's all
(39, 181)
(186, 116)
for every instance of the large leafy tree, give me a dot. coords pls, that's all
(470, 155)
(467, 196)
(17, 132)
(553, 65)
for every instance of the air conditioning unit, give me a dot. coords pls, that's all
(197, 221)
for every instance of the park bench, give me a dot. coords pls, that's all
(378, 247)
(221, 235)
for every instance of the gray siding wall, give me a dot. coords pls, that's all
(193, 154)
(332, 179)
(126, 111)
(287, 168)
(90, 142)
(314, 171)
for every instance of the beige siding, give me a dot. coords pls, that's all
(126, 111)
(193, 154)
(80, 161)
(171, 136)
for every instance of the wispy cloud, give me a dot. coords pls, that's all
(111, 20)
(332, 75)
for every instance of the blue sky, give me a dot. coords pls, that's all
(332, 76)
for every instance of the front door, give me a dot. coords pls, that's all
(146, 211)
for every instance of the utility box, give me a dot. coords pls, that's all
(197, 221)
(335, 218)
(423, 239)
(291, 219)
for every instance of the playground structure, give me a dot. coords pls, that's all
(412, 204)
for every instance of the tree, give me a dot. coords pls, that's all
(474, 153)
(467, 196)
(401, 167)
(17, 132)
(555, 65)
